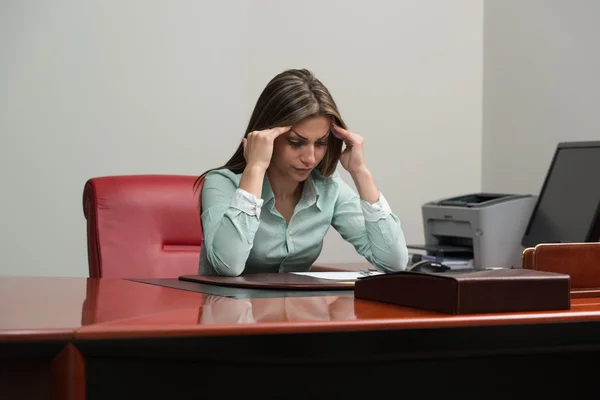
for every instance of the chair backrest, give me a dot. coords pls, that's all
(142, 226)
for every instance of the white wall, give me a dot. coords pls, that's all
(541, 87)
(129, 87)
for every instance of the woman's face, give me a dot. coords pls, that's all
(297, 152)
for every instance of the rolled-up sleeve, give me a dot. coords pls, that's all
(376, 211)
(373, 229)
(230, 219)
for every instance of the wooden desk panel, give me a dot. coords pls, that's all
(115, 299)
(40, 316)
(332, 347)
(222, 316)
(37, 309)
(40, 308)
(152, 341)
(47, 309)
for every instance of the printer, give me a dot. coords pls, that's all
(486, 228)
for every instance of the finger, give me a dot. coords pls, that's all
(244, 141)
(341, 133)
(279, 131)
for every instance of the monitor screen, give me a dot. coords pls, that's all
(567, 207)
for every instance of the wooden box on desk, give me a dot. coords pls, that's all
(500, 290)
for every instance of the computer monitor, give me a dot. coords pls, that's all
(567, 208)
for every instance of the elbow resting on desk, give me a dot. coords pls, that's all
(403, 258)
(386, 246)
(396, 261)
(225, 265)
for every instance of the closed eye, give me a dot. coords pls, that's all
(297, 144)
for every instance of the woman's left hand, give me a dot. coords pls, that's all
(352, 157)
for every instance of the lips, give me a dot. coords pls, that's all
(304, 169)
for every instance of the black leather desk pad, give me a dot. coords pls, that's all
(238, 293)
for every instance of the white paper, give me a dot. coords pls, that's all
(340, 276)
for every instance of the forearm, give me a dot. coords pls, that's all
(252, 180)
(372, 228)
(386, 245)
(363, 180)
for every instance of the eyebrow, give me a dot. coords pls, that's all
(303, 138)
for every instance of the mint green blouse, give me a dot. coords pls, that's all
(245, 234)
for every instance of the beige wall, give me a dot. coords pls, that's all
(132, 87)
(541, 87)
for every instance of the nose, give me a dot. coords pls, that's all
(308, 156)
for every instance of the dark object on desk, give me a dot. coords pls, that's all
(285, 281)
(500, 290)
(429, 266)
(239, 292)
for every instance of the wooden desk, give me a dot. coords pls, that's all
(112, 339)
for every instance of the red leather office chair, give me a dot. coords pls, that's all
(142, 226)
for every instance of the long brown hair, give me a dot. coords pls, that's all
(288, 98)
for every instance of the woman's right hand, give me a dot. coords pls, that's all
(258, 146)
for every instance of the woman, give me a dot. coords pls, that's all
(269, 207)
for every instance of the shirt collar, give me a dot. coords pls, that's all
(310, 192)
